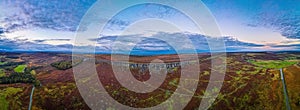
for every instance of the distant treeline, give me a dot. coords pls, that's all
(19, 78)
(64, 65)
(11, 64)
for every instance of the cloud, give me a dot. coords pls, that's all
(151, 44)
(148, 46)
(288, 25)
(61, 16)
(54, 14)
(282, 16)
(44, 40)
(24, 45)
(278, 16)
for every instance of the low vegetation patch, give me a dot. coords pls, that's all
(3, 63)
(2, 73)
(8, 96)
(273, 64)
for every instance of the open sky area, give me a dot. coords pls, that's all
(245, 25)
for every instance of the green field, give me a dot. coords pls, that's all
(20, 68)
(273, 64)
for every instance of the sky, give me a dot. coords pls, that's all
(245, 25)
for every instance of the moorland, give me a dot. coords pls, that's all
(252, 80)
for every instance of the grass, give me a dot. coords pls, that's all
(3, 63)
(173, 82)
(291, 58)
(167, 94)
(2, 73)
(10, 91)
(20, 68)
(273, 64)
(206, 73)
(3, 102)
(239, 72)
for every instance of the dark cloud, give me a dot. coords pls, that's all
(39, 41)
(251, 25)
(291, 45)
(1, 31)
(229, 41)
(44, 40)
(117, 24)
